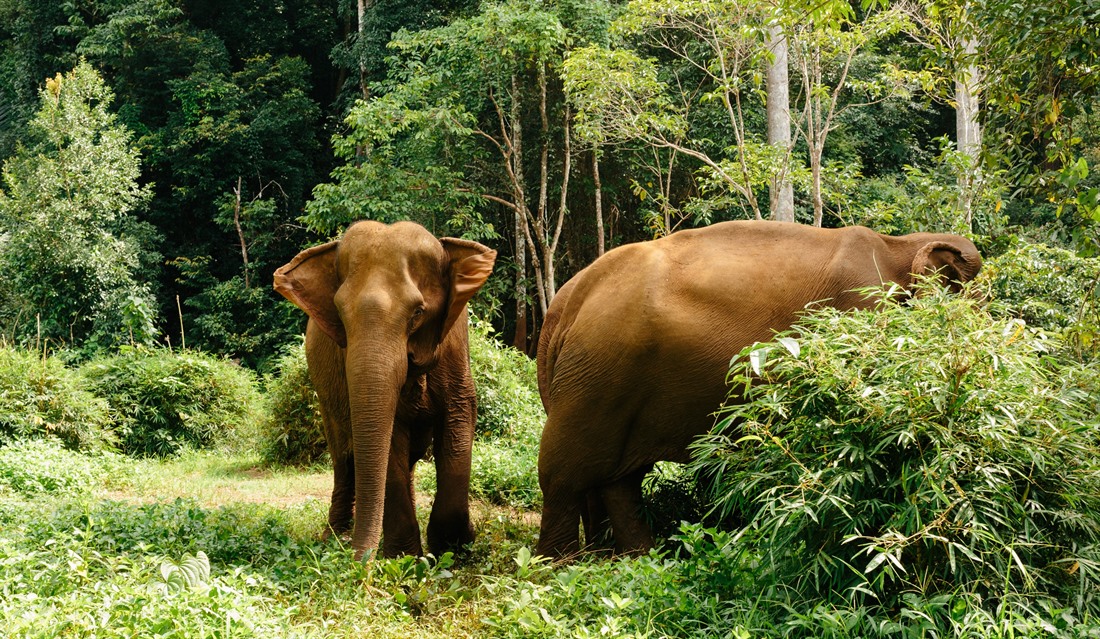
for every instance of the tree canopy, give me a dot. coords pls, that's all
(552, 130)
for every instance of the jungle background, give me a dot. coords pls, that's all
(161, 470)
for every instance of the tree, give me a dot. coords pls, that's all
(448, 133)
(1041, 80)
(781, 200)
(70, 244)
(947, 30)
(717, 49)
(825, 39)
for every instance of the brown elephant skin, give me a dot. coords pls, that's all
(635, 349)
(388, 353)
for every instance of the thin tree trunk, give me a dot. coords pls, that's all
(781, 195)
(240, 231)
(364, 6)
(819, 204)
(520, 340)
(599, 201)
(551, 249)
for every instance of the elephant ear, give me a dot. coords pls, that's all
(309, 280)
(471, 264)
(954, 263)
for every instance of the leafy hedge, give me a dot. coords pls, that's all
(914, 459)
(1047, 287)
(508, 403)
(40, 397)
(39, 466)
(165, 401)
(292, 430)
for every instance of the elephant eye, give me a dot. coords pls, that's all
(417, 312)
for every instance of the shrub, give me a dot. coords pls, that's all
(509, 422)
(508, 404)
(43, 466)
(671, 494)
(164, 401)
(1048, 287)
(292, 431)
(912, 453)
(40, 397)
(506, 474)
(706, 593)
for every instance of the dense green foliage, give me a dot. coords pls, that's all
(36, 466)
(509, 422)
(164, 401)
(71, 246)
(508, 404)
(292, 431)
(1050, 288)
(270, 127)
(40, 397)
(912, 458)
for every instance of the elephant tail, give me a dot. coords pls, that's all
(550, 342)
(544, 358)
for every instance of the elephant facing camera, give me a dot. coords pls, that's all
(387, 349)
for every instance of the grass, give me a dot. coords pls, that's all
(100, 563)
(214, 479)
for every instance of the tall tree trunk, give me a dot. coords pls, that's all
(520, 341)
(967, 130)
(781, 200)
(599, 201)
(364, 6)
(551, 249)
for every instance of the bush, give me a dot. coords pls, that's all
(1048, 287)
(292, 430)
(508, 404)
(509, 422)
(40, 397)
(164, 401)
(706, 593)
(907, 455)
(43, 466)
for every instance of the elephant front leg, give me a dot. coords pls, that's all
(449, 526)
(400, 530)
(343, 496)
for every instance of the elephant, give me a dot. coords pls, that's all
(387, 349)
(635, 349)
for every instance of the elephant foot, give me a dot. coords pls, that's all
(341, 529)
(401, 546)
(455, 536)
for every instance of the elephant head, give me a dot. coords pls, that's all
(390, 295)
(952, 258)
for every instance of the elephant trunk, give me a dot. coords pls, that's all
(376, 370)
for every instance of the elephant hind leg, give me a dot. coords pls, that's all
(343, 496)
(623, 500)
(597, 525)
(559, 532)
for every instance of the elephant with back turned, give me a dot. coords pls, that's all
(388, 353)
(634, 350)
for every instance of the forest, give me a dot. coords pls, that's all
(927, 467)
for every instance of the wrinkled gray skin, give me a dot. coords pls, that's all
(388, 354)
(634, 351)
